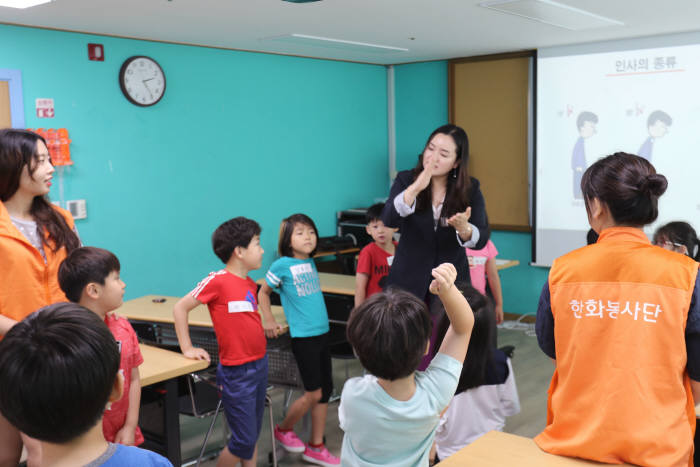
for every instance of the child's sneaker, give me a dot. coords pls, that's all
(289, 440)
(320, 457)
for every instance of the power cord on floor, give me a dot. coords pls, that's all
(520, 325)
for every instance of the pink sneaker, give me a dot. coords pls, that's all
(322, 457)
(289, 440)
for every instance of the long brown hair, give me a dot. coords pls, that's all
(458, 180)
(17, 150)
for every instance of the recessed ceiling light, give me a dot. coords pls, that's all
(22, 3)
(551, 12)
(329, 42)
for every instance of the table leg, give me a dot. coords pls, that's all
(171, 419)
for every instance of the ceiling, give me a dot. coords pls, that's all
(429, 29)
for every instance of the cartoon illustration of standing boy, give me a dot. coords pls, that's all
(585, 122)
(657, 125)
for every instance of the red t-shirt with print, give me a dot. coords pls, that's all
(375, 262)
(233, 307)
(115, 416)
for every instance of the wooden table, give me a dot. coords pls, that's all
(498, 449)
(506, 263)
(163, 366)
(344, 284)
(341, 284)
(147, 310)
(344, 251)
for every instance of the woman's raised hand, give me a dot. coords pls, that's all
(419, 184)
(423, 179)
(460, 221)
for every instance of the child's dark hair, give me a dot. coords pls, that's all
(57, 370)
(389, 333)
(284, 247)
(659, 115)
(628, 185)
(584, 117)
(480, 352)
(18, 149)
(680, 233)
(238, 231)
(85, 265)
(374, 213)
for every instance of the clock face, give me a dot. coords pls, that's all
(142, 81)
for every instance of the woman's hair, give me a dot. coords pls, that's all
(628, 185)
(479, 353)
(591, 237)
(679, 233)
(284, 246)
(389, 333)
(17, 150)
(458, 180)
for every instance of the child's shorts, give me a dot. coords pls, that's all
(313, 358)
(243, 390)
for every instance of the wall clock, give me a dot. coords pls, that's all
(142, 80)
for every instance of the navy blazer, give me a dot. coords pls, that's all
(422, 247)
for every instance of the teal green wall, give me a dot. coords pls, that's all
(521, 284)
(236, 133)
(421, 106)
(420, 91)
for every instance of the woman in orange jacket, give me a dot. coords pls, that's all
(621, 319)
(35, 237)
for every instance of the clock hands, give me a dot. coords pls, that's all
(144, 81)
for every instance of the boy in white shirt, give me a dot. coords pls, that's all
(390, 416)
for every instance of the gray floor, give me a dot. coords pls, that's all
(533, 371)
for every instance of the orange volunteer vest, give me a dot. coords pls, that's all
(620, 392)
(26, 282)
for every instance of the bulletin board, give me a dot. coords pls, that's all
(5, 114)
(491, 98)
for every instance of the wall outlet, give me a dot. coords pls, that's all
(77, 208)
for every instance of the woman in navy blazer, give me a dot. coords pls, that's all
(439, 210)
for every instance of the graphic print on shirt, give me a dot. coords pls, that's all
(381, 269)
(305, 279)
(243, 306)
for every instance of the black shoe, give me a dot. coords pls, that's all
(509, 350)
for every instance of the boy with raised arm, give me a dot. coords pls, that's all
(390, 416)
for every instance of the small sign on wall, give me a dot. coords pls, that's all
(44, 108)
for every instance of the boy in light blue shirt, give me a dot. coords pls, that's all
(390, 416)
